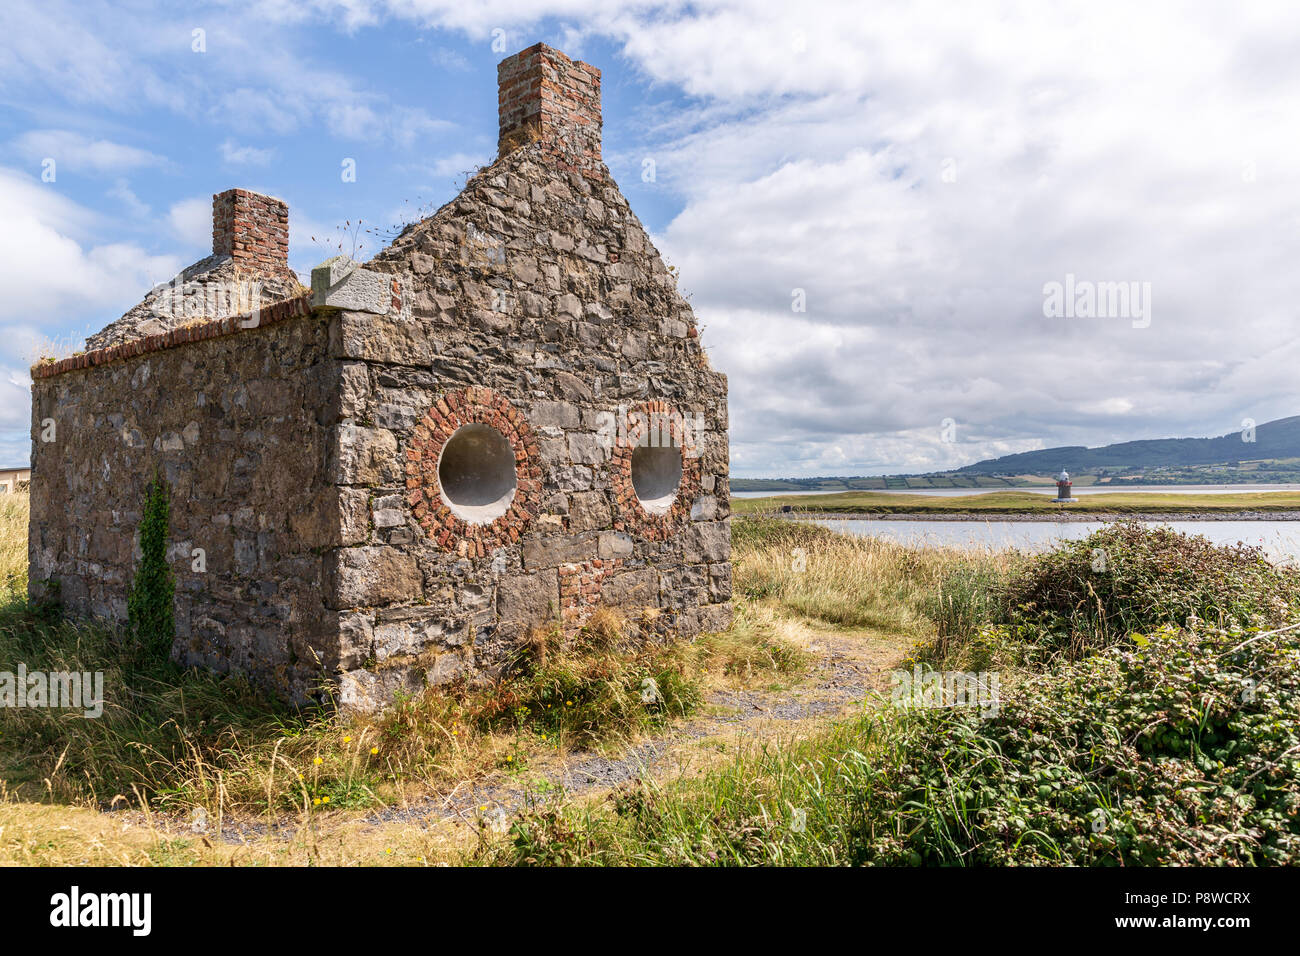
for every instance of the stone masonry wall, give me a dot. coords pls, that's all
(239, 424)
(305, 454)
(534, 299)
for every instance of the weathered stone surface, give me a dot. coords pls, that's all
(615, 544)
(589, 511)
(364, 456)
(632, 589)
(356, 641)
(250, 493)
(371, 576)
(341, 284)
(720, 582)
(705, 508)
(529, 599)
(389, 511)
(379, 338)
(554, 414)
(588, 449)
(707, 541)
(364, 691)
(410, 633)
(353, 510)
(447, 667)
(553, 550)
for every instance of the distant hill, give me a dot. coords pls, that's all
(872, 483)
(1274, 456)
(1273, 440)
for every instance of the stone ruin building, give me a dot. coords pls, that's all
(503, 421)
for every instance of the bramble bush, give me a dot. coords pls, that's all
(1181, 747)
(1122, 579)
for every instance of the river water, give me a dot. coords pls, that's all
(1048, 490)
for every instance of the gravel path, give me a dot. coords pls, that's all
(846, 669)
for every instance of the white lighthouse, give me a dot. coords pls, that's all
(1063, 487)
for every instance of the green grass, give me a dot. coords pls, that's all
(177, 738)
(1018, 502)
(854, 581)
(1182, 749)
(1148, 715)
(1093, 593)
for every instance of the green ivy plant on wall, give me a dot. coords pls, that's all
(150, 605)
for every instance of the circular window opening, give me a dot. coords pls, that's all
(477, 474)
(656, 474)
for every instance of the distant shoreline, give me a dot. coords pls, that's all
(1061, 516)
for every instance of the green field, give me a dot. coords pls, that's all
(1019, 502)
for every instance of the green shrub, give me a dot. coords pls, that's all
(593, 686)
(970, 594)
(1128, 578)
(1092, 593)
(1182, 748)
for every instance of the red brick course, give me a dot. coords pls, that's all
(580, 589)
(198, 332)
(423, 490)
(629, 515)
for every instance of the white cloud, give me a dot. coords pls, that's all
(89, 56)
(190, 221)
(235, 155)
(103, 57)
(15, 403)
(74, 152)
(1098, 139)
(121, 191)
(453, 165)
(1078, 148)
(53, 269)
(813, 149)
(449, 59)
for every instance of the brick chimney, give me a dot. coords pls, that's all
(252, 229)
(544, 97)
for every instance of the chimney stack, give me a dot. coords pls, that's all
(252, 229)
(544, 97)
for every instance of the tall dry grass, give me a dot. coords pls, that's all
(14, 509)
(177, 739)
(868, 582)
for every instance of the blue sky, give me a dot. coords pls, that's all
(920, 170)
